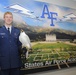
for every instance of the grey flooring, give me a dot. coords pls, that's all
(68, 71)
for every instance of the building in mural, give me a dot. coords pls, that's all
(50, 37)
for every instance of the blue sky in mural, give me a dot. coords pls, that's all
(67, 22)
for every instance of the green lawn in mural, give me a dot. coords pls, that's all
(51, 51)
(55, 53)
(51, 46)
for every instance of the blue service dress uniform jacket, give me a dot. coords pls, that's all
(9, 45)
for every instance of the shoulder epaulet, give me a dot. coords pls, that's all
(17, 28)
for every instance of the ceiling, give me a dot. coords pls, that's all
(65, 3)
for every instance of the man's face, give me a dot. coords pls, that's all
(8, 19)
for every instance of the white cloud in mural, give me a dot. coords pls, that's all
(54, 8)
(23, 11)
(17, 18)
(1, 15)
(68, 17)
(65, 14)
(19, 9)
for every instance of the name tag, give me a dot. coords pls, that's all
(2, 33)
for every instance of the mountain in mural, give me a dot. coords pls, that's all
(40, 32)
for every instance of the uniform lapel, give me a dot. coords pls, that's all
(5, 30)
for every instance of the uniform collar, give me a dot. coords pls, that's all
(8, 27)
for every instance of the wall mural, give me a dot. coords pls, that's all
(51, 29)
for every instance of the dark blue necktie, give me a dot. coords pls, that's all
(9, 30)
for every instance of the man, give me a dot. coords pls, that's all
(10, 62)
